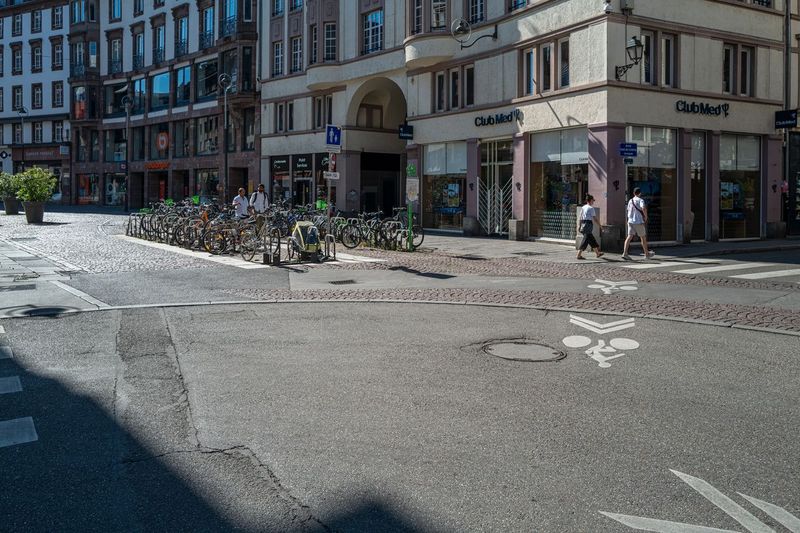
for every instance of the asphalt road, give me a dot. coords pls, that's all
(389, 417)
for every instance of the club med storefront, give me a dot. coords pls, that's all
(709, 169)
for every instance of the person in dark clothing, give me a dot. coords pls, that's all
(586, 224)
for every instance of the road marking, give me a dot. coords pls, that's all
(10, 385)
(17, 431)
(82, 295)
(219, 259)
(650, 264)
(722, 268)
(780, 514)
(773, 274)
(610, 287)
(602, 329)
(6, 352)
(661, 526)
(2, 330)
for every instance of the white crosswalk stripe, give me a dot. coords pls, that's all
(773, 274)
(679, 267)
(721, 268)
(17, 431)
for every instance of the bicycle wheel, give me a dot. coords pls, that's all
(249, 245)
(215, 241)
(418, 235)
(274, 241)
(351, 236)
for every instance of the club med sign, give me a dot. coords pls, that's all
(700, 108)
(499, 118)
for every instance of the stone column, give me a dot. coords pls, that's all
(712, 178)
(471, 226)
(517, 226)
(684, 192)
(348, 190)
(772, 172)
(607, 181)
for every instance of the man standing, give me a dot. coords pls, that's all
(241, 204)
(637, 224)
(259, 201)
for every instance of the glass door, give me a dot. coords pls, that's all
(494, 186)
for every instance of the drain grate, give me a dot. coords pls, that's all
(470, 257)
(523, 350)
(24, 238)
(343, 282)
(10, 288)
(30, 258)
(527, 254)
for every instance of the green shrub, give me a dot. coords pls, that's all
(9, 185)
(36, 185)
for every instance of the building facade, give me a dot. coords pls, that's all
(34, 89)
(513, 126)
(148, 101)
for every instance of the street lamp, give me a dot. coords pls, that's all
(635, 49)
(224, 81)
(22, 111)
(127, 102)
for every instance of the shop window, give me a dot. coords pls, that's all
(183, 138)
(159, 141)
(207, 129)
(159, 91)
(116, 189)
(559, 181)
(739, 187)
(207, 181)
(206, 76)
(115, 146)
(88, 189)
(81, 155)
(444, 185)
(114, 95)
(94, 145)
(654, 171)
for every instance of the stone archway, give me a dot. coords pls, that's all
(381, 93)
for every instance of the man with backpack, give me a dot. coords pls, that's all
(259, 201)
(637, 224)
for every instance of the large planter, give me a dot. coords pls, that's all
(12, 205)
(34, 212)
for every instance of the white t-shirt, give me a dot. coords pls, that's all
(587, 212)
(634, 216)
(259, 201)
(241, 205)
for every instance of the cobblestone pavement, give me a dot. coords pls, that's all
(524, 267)
(86, 240)
(720, 314)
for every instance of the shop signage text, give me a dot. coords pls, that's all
(499, 118)
(406, 132)
(280, 164)
(786, 119)
(157, 165)
(301, 162)
(700, 108)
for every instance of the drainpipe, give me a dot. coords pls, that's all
(787, 84)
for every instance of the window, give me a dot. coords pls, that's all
(416, 17)
(115, 9)
(746, 71)
(78, 11)
(36, 95)
(516, 4)
(2, 102)
(249, 130)
(280, 117)
(247, 16)
(37, 132)
(206, 76)
(277, 8)
(2, 60)
(16, 67)
(139, 94)
(469, 86)
(159, 44)
(563, 62)
(668, 61)
(16, 25)
(529, 71)
(370, 116)
(296, 5)
(114, 95)
(137, 144)
(138, 51)
(323, 106)
(58, 131)
(290, 116)
(727, 69)
(247, 68)
(57, 18)
(230, 66)
(477, 11)
(277, 58)
(546, 75)
(438, 14)
(183, 138)
(138, 7)
(36, 21)
(648, 58)
(441, 92)
(159, 91)
(330, 42)
(455, 89)
(115, 56)
(58, 56)
(94, 145)
(181, 36)
(17, 133)
(16, 97)
(312, 53)
(373, 32)
(79, 103)
(115, 146)
(207, 35)
(58, 94)
(207, 135)
(36, 58)
(183, 81)
(159, 141)
(2, 31)
(93, 54)
(297, 54)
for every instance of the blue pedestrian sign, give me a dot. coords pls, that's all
(333, 138)
(628, 149)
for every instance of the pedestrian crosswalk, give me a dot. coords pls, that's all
(730, 269)
(17, 430)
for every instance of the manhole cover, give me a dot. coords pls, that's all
(523, 350)
(343, 282)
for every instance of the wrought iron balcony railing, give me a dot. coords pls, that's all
(158, 55)
(181, 48)
(228, 27)
(206, 39)
(115, 66)
(77, 69)
(138, 62)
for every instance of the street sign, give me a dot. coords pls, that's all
(412, 189)
(628, 149)
(628, 160)
(333, 139)
(786, 119)
(406, 132)
(330, 175)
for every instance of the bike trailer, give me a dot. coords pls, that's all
(305, 237)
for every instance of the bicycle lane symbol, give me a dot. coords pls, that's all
(602, 352)
(610, 287)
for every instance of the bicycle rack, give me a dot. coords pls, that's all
(273, 254)
(330, 242)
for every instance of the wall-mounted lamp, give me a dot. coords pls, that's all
(616, 185)
(774, 187)
(518, 185)
(634, 49)
(461, 31)
(472, 186)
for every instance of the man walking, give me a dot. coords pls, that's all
(241, 204)
(637, 224)
(259, 201)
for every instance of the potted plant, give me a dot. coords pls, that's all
(9, 187)
(36, 187)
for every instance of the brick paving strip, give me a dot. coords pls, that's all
(728, 315)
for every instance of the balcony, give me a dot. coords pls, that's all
(181, 48)
(115, 66)
(138, 62)
(158, 55)
(77, 70)
(206, 39)
(228, 27)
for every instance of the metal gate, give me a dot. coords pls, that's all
(494, 187)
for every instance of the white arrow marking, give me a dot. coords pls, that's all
(602, 328)
(780, 514)
(661, 526)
